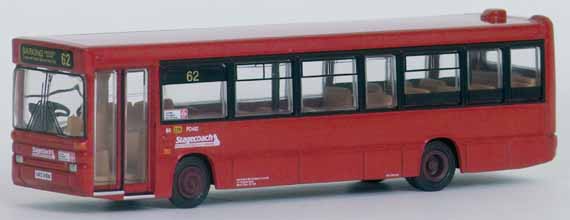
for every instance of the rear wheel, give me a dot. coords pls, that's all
(437, 167)
(191, 183)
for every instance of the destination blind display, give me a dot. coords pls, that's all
(46, 56)
(189, 73)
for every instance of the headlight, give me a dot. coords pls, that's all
(73, 167)
(19, 159)
(66, 156)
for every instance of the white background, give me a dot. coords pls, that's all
(540, 192)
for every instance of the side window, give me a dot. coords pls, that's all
(380, 82)
(526, 74)
(432, 79)
(263, 89)
(329, 85)
(194, 92)
(485, 75)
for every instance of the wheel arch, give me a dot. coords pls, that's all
(453, 146)
(206, 159)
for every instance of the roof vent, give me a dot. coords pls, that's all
(494, 16)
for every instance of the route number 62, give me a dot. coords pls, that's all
(192, 76)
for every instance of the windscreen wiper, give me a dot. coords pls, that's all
(42, 115)
(74, 88)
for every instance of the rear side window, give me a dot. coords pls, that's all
(526, 74)
(525, 67)
(485, 69)
(485, 75)
(194, 92)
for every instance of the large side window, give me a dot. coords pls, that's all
(194, 92)
(485, 75)
(526, 71)
(329, 85)
(432, 79)
(263, 89)
(380, 82)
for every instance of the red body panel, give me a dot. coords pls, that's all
(79, 183)
(294, 150)
(369, 146)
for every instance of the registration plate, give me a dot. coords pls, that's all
(42, 175)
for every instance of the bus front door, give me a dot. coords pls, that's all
(135, 138)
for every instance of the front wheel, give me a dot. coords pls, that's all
(191, 183)
(437, 167)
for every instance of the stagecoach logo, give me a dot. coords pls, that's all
(43, 153)
(209, 140)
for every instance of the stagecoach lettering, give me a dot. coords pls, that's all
(43, 153)
(209, 140)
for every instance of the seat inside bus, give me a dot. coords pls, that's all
(483, 80)
(521, 80)
(105, 142)
(334, 98)
(260, 107)
(428, 85)
(74, 126)
(136, 141)
(377, 97)
(486, 80)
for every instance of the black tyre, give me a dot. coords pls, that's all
(191, 183)
(437, 167)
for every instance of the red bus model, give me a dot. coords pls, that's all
(166, 114)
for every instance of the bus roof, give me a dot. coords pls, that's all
(204, 35)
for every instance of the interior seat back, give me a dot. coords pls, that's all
(435, 85)
(377, 98)
(337, 97)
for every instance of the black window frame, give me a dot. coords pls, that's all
(359, 56)
(235, 80)
(329, 57)
(363, 99)
(532, 94)
(432, 100)
(53, 71)
(167, 67)
(483, 97)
